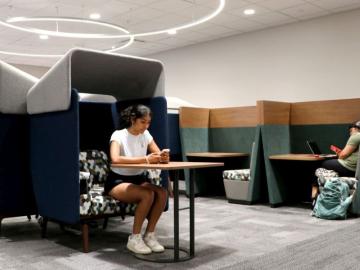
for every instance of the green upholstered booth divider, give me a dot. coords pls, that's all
(194, 137)
(222, 130)
(258, 191)
(241, 139)
(275, 140)
(236, 139)
(194, 140)
(323, 134)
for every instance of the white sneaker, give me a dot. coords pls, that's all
(151, 241)
(136, 244)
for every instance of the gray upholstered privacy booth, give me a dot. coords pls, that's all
(61, 126)
(16, 193)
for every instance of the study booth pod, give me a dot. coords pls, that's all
(325, 122)
(286, 127)
(16, 192)
(62, 127)
(227, 130)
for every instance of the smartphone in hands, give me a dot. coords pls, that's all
(165, 155)
(335, 149)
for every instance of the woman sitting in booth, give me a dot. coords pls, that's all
(345, 164)
(130, 145)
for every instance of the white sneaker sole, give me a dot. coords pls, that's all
(138, 251)
(158, 251)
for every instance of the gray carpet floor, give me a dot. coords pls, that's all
(227, 236)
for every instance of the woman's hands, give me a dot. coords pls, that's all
(165, 156)
(153, 158)
(159, 157)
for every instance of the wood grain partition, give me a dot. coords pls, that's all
(342, 111)
(233, 117)
(273, 112)
(190, 117)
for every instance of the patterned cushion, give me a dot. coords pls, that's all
(85, 204)
(242, 175)
(84, 182)
(94, 168)
(324, 175)
(96, 163)
(95, 203)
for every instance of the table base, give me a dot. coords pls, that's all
(167, 256)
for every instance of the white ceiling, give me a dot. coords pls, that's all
(149, 15)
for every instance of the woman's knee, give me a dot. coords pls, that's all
(147, 195)
(161, 195)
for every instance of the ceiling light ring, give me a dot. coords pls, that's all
(103, 36)
(114, 26)
(129, 42)
(9, 23)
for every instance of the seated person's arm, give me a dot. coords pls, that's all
(118, 159)
(164, 155)
(347, 151)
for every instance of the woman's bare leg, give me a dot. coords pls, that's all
(157, 207)
(142, 196)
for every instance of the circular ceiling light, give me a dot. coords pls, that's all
(9, 23)
(42, 36)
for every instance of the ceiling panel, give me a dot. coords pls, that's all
(139, 16)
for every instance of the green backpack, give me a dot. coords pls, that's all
(333, 201)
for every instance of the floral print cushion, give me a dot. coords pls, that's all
(96, 163)
(324, 175)
(94, 168)
(241, 175)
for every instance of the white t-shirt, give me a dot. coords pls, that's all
(131, 146)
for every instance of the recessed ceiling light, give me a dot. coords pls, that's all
(249, 11)
(43, 37)
(95, 16)
(172, 32)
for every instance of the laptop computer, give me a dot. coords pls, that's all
(314, 149)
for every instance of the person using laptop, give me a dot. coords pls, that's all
(345, 163)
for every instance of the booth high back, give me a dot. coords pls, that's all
(222, 130)
(58, 133)
(96, 124)
(16, 192)
(285, 128)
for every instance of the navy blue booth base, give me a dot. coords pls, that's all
(54, 152)
(16, 192)
(56, 140)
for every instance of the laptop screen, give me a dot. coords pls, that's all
(313, 147)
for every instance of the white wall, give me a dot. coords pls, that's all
(310, 60)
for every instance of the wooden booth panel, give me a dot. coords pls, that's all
(342, 111)
(190, 117)
(233, 117)
(273, 112)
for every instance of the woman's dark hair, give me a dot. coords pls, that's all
(355, 125)
(132, 113)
